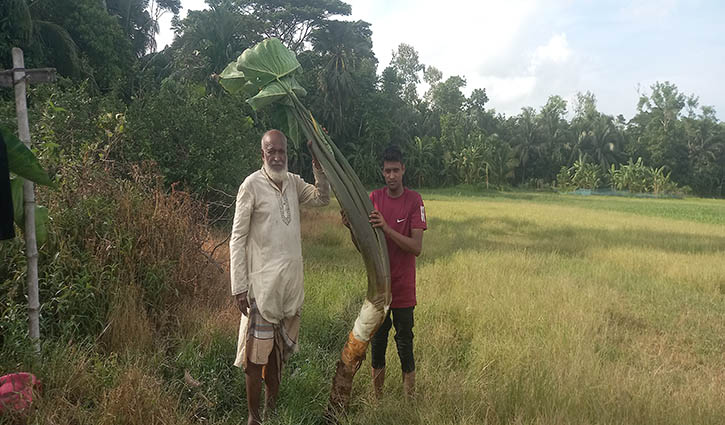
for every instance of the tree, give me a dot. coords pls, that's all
(420, 159)
(526, 138)
(447, 97)
(554, 133)
(501, 160)
(139, 20)
(342, 45)
(207, 40)
(432, 75)
(706, 151)
(43, 41)
(658, 127)
(477, 101)
(603, 141)
(78, 37)
(291, 22)
(406, 61)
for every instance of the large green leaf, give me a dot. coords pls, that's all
(22, 161)
(231, 71)
(41, 212)
(266, 62)
(16, 193)
(275, 91)
(234, 81)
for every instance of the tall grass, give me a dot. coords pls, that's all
(533, 309)
(123, 260)
(551, 309)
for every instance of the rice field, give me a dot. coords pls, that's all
(534, 309)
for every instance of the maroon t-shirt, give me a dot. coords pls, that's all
(402, 214)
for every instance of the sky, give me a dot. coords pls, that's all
(523, 51)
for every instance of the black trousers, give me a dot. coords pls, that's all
(7, 230)
(403, 322)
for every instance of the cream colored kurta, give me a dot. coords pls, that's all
(265, 246)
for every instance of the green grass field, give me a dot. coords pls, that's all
(534, 308)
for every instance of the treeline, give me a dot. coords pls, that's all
(168, 107)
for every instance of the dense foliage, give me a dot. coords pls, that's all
(177, 114)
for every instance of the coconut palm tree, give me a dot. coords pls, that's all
(342, 45)
(527, 138)
(420, 159)
(139, 20)
(44, 41)
(603, 141)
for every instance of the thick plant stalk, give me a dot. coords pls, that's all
(355, 202)
(267, 71)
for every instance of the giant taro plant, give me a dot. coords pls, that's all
(266, 73)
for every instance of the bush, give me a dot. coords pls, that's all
(586, 175)
(121, 252)
(201, 141)
(638, 178)
(563, 180)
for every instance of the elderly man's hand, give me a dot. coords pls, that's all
(242, 303)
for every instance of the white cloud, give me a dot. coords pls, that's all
(522, 51)
(552, 68)
(648, 9)
(508, 91)
(555, 51)
(494, 45)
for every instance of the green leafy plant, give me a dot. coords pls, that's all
(563, 180)
(25, 164)
(585, 174)
(660, 180)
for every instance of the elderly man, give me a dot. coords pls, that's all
(266, 267)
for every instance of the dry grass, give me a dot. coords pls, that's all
(139, 399)
(531, 311)
(548, 313)
(129, 327)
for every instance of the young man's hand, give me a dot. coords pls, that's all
(344, 218)
(377, 220)
(242, 303)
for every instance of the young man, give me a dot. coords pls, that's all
(266, 267)
(400, 214)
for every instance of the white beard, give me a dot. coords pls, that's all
(276, 176)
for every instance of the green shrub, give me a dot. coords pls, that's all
(586, 175)
(201, 141)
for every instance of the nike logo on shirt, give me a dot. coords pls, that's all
(400, 220)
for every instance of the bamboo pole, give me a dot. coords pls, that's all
(31, 247)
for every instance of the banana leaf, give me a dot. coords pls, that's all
(270, 67)
(41, 212)
(22, 161)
